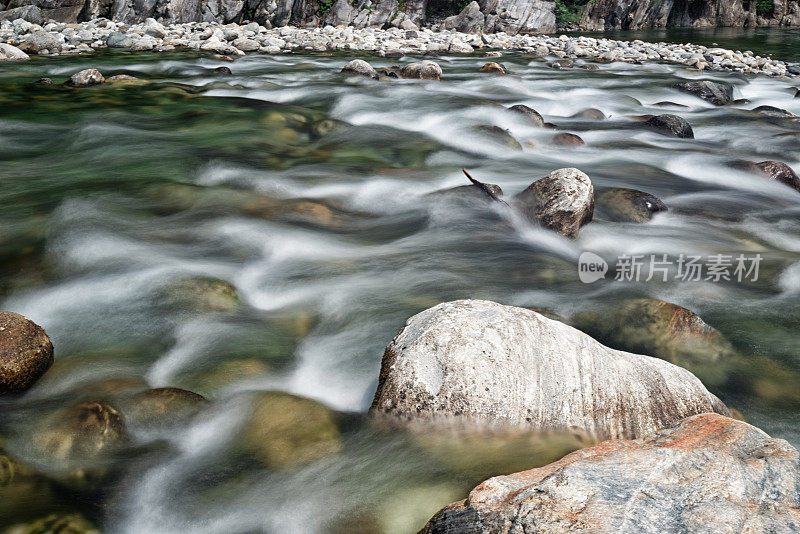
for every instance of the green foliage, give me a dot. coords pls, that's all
(445, 8)
(570, 11)
(325, 7)
(763, 7)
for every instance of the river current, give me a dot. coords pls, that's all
(309, 193)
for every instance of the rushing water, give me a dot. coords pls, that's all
(307, 191)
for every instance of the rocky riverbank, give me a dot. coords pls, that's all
(235, 40)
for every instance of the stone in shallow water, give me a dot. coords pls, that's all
(202, 294)
(670, 125)
(717, 93)
(162, 407)
(55, 524)
(361, 68)
(86, 78)
(493, 67)
(531, 114)
(474, 366)
(567, 139)
(709, 473)
(26, 353)
(774, 170)
(500, 135)
(629, 205)
(422, 70)
(562, 201)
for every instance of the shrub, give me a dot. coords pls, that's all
(569, 11)
(763, 7)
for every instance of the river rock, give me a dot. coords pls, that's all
(203, 294)
(774, 170)
(717, 93)
(562, 201)
(26, 353)
(86, 78)
(12, 53)
(360, 67)
(501, 135)
(422, 70)
(518, 16)
(153, 28)
(531, 114)
(591, 113)
(478, 366)
(470, 20)
(42, 40)
(285, 430)
(772, 111)
(54, 524)
(118, 40)
(671, 125)
(163, 407)
(628, 205)
(493, 67)
(663, 330)
(567, 139)
(707, 474)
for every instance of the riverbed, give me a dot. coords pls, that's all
(309, 192)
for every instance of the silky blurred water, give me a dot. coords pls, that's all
(308, 192)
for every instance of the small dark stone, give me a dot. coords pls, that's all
(591, 113)
(717, 93)
(772, 111)
(562, 64)
(671, 125)
(529, 112)
(793, 68)
(501, 135)
(628, 205)
(666, 104)
(774, 170)
(567, 139)
(222, 71)
(589, 66)
(44, 81)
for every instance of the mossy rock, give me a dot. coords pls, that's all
(664, 330)
(25, 493)
(203, 294)
(162, 407)
(285, 430)
(54, 524)
(228, 373)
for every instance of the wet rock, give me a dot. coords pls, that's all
(501, 135)
(562, 64)
(163, 407)
(12, 53)
(668, 104)
(203, 293)
(772, 111)
(125, 79)
(44, 81)
(708, 473)
(532, 115)
(360, 67)
(118, 40)
(591, 113)
(670, 125)
(562, 201)
(589, 66)
(567, 139)
(86, 78)
(469, 192)
(26, 353)
(774, 170)
(628, 205)
(663, 330)
(478, 366)
(54, 524)
(493, 67)
(285, 430)
(717, 93)
(228, 373)
(222, 71)
(422, 70)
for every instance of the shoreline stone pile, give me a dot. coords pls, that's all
(233, 40)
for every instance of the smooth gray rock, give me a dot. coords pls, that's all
(717, 93)
(42, 40)
(30, 13)
(360, 67)
(531, 114)
(118, 40)
(709, 474)
(12, 53)
(478, 366)
(670, 125)
(562, 201)
(470, 20)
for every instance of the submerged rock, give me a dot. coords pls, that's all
(26, 353)
(774, 170)
(663, 330)
(162, 407)
(285, 430)
(125, 79)
(203, 293)
(54, 524)
(591, 113)
(562, 201)
(567, 139)
(500, 135)
(422, 70)
(531, 114)
(86, 78)
(628, 205)
(12, 53)
(708, 473)
(493, 67)
(360, 67)
(671, 125)
(478, 366)
(717, 93)
(772, 111)
(222, 71)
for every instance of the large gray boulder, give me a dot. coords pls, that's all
(30, 13)
(478, 366)
(717, 93)
(470, 20)
(42, 40)
(518, 16)
(12, 53)
(708, 475)
(562, 201)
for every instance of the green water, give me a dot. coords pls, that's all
(307, 194)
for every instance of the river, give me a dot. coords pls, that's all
(308, 193)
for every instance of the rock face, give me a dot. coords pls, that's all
(633, 15)
(26, 353)
(671, 125)
(717, 93)
(774, 170)
(469, 20)
(707, 474)
(479, 366)
(629, 205)
(518, 16)
(562, 201)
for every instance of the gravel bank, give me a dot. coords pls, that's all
(234, 40)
